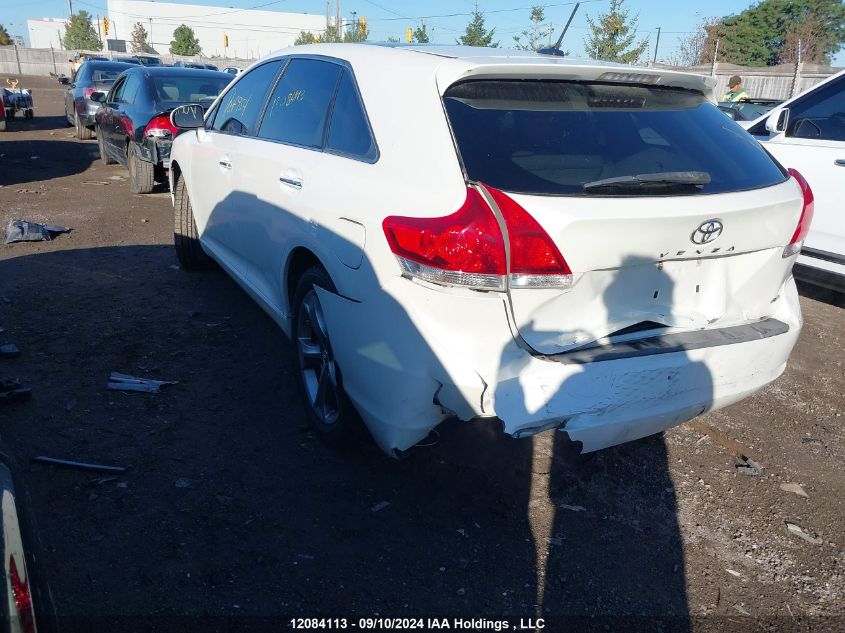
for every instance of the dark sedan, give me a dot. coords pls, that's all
(133, 125)
(92, 76)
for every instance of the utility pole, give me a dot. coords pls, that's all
(99, 35)
(151, 34)
(327, 16)
(656, 45)
(354, 25)
(70, 6)
(337, 19)
(715, 57)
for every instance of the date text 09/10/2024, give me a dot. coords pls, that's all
(423, 624)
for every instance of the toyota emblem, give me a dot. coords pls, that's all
(707, 231)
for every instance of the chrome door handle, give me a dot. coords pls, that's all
(296, 183)
(839, 162)
(225, 164)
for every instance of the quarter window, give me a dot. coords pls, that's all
(117, 91)
(349, 132)
(241, 106)
(299, 106)
(131, 88)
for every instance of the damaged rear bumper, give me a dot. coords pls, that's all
(411, 356)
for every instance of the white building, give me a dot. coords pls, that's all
(46, 32)
(250, 33)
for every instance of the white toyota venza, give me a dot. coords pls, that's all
(478, 233)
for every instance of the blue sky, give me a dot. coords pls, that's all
(391, 18)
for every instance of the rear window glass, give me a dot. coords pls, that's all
(101, 76)
(555, 137)
(177, 89)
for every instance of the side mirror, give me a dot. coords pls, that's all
(187, 117)
(99, 97)
(777, 121)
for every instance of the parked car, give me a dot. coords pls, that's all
(210, 67)
(808, 133)
(133, 125)
(543, 242)
(233, 70)
(127, 60)
(747, 110)
(92, 76)
(2, 114)
(181, 64)
(148, 60)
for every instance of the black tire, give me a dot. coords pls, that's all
(160, 174)
(185, 234)
(83, 133)
(140, 174)
(30, 114)
(107, 160)
(68, 120)
(335, 419)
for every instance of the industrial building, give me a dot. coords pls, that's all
(46, 32)
(221, 31)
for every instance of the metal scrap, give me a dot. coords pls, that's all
(748, 466)
(23, 231)
(798, 531)
(123, 382)
(100, 468)
(795, 488)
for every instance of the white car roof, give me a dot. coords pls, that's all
(453, 63)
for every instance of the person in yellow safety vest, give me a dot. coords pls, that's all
(736, 93)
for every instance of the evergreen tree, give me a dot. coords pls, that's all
(139, 39)
(80, 33)
(5, 38)
(184, 41)
(476, 34)
(420, 34)
(538, 35)
(613, 36)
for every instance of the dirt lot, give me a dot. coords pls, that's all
(231, 510)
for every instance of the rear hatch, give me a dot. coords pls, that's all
(668, 215)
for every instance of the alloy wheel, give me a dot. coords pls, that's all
(316, 362)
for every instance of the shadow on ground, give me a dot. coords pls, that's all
(231, 508)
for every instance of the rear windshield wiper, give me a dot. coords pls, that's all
(691, 180)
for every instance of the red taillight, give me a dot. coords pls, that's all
(23, 597)
(534, 258)
(467, 248)
(806, 218)
(160, 127)
(87, 92)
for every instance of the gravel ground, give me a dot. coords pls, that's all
(232, 511)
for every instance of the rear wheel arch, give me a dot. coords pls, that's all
(299, 261)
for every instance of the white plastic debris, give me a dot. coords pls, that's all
(798, 531)
(795, 488)
(122, 382)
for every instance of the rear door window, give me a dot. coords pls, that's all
(117, 91)
(299, 106)
(131, 89)
(241, 106)
(820, 114)
(560, 138)
(349, 131)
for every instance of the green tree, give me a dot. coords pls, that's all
(613, 36)
(306, 37)
(420, 34)
(758, 35)
(476, 34)
(539, 34)
(5, 38)
(356, 31)
(80, 33)
(139, 39)
(184, 41)
(392, 40)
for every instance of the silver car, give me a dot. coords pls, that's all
(93, 76)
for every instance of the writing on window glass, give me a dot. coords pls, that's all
(294, 96)
(237, 105)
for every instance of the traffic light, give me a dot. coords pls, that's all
(105, 26)
(409, 35)
(362, 26)
(225, 41)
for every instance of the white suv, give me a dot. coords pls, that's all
(808, 133)
(445, 231)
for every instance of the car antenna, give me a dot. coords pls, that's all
(555, 50)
